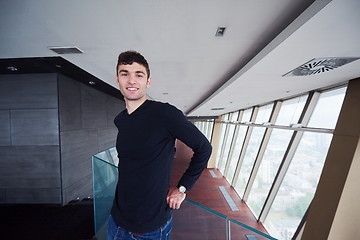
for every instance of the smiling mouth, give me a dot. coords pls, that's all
(132, 88)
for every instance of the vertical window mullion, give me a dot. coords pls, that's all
(244, 147)
(228, 136)
(204, 128)
(290, 152)
(231, 150)
(223, 145)
(210, 129)
(262, 149)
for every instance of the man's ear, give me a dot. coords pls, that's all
(148, 82)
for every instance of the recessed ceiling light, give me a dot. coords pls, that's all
(220, 31)
(66, 50)
(320, 65)
(12, 68)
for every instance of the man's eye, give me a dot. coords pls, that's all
(139, 75)
(123, 74)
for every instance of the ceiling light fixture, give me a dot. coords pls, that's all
(320, 65)
(66, 50)
(220, 31)
(217, 109)
(91, 82)
(12, 68)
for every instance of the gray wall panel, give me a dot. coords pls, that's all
(34, 127)
(77, 147)
(5, 139)
(32, 120)
(32, 167)
(80, 141)
(107, 138)
(26, 91)
(93, 108)
(30, 159)
(69, 104)
(115, 106)
(80, 189)
(33, 195)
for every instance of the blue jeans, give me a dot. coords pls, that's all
(117, 233)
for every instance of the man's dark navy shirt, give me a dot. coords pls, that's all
(146, 147)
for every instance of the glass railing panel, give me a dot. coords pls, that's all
(240, 231)
(109, 155)
(194, 221)
(105, 177)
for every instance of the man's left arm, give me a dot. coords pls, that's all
(189, 134)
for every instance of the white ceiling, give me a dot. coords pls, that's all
(191, 67)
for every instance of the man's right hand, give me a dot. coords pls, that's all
(175, 198)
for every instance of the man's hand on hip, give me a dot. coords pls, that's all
(175, 198)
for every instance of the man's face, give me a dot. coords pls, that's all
(133, 81)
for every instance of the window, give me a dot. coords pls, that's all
(238, 145)
(221, 142)
(300, 181)
(298, 186)
(229, 136)
(291, 110)
(293, 157)
(249, 159)
(270, 164)
(327, 109)
(252, 149)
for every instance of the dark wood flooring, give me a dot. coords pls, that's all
(207, 193)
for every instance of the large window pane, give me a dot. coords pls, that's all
(210, 126)
(229, 137)
(236, 153)
(291, 110)
(246, 115)
(238, 145)
(327, 109)
(264, 114)
(252, 149)
(249, 159)
(221, 140)
(298, 186)
(269, 166)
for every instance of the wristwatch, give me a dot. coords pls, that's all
(181, 188)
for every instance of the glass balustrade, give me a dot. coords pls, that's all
(193, 221)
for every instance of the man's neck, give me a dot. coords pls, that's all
(132, 105)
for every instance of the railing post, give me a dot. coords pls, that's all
(228, 230)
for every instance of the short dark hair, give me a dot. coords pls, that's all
(129, 57)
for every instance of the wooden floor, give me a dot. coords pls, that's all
(207, 193)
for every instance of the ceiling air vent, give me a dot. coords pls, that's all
(319, 65)
(66, 50)
(220, 31)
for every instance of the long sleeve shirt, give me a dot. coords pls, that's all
(146, 148)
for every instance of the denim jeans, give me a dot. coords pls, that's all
(117, 233)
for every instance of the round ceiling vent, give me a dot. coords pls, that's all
(319, 65)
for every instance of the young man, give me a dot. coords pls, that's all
(147, 131)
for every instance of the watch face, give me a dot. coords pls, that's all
(182, 189)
